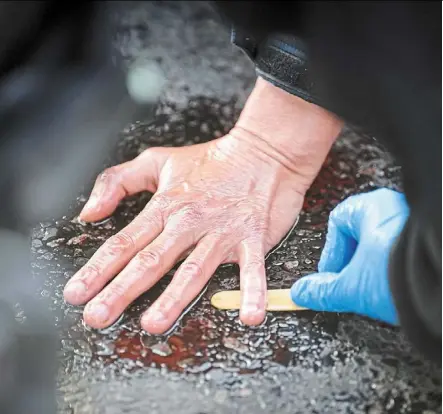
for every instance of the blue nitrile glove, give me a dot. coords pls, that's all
(353, 268)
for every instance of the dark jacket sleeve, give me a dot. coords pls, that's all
(378, 66)
(281, 60)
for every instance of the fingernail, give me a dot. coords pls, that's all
(98, 312)
(75, 291)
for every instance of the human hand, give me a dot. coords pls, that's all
(353, 268)
(227, 201)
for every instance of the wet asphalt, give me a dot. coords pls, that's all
(209, 362)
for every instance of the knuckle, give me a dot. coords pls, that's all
(114, 291)
(255, 226)
(256, 285)
(333, 216)
(107, 174)
(161, 202)
(253, 294)
(343, 209)
(148, 258)
(89, 272)
(191, 269)
(169, 300)
(147, 220)
(122, 241)
(156, 220)
(336, 211)
(255, 265)
(192, 212)
(186, 217)
(258, 227)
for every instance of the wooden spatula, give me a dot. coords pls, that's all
(278, 300)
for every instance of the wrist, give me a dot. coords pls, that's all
(296, 133)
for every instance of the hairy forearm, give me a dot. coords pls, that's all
(296, 133)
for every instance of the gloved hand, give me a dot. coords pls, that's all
(353, 268)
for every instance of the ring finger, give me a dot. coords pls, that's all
(187, 283)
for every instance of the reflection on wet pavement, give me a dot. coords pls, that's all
(209, 362)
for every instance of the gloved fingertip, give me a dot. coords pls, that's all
(302, 292)
(317, 292)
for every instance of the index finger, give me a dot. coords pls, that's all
(114, 255)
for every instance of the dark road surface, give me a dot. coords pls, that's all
(209, 362)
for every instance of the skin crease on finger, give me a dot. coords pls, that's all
(228, 200)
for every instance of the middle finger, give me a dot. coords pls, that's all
(142, 272)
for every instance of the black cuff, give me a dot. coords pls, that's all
(281, 60)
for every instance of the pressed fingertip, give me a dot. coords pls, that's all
(96, 209)
(75, 292)
(91, 205)
(89, 216)
(85, 216)
(97, 315)
(252, 315)
(154, 322)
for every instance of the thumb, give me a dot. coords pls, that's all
(322, 292)
(120, 181)
(343, 234)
